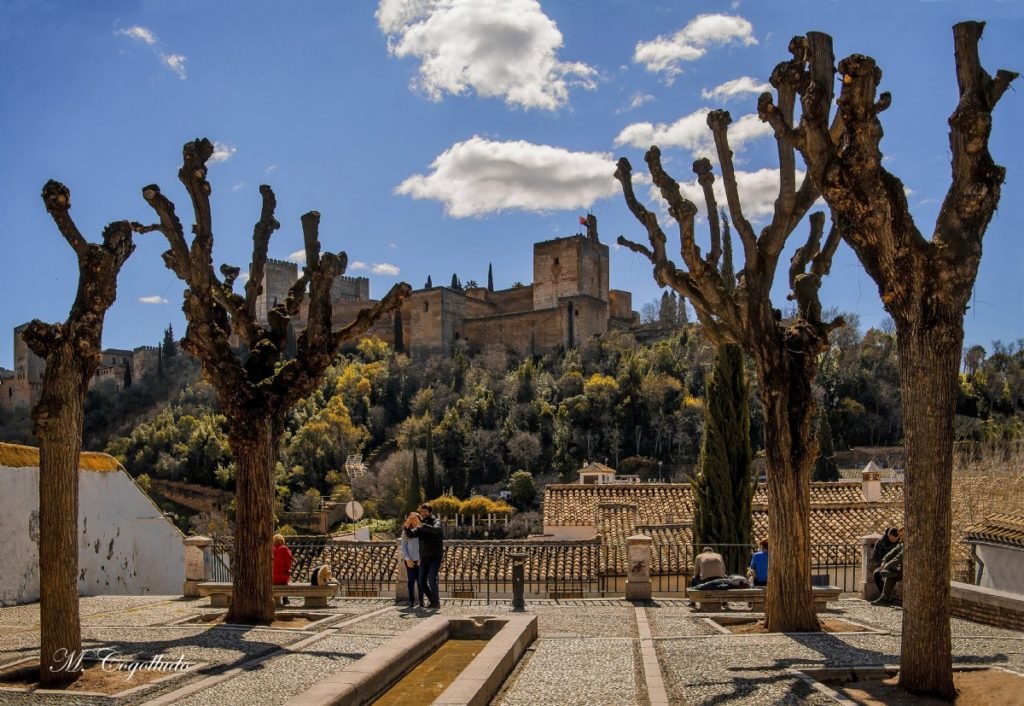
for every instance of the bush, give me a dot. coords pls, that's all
(446, 505)
(287, 531)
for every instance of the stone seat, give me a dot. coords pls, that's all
(314, 596)
(716, 600)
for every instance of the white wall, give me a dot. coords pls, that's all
(126, 546)
(1004, 567)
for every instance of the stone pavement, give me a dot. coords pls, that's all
(600, 652)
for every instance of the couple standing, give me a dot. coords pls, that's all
(422, 549)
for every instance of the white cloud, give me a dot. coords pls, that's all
(736, 88)
(480, 176)
(239, 186)
(377, 268)
(691, 132)
(758, 191)
(143, 34)
(154, 299)
(269, 169)
(496, 48)
(640, 99)
(664, 54)
(243, 277)
(176, 63)
(299, 256)
(222, 152)
(392, 246)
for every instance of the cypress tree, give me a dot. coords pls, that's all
(414, 491)
(430, 484)
(160, 361)
(490, 277)
(723, 489)
(825, 468)
(170, 346)
(429, 284)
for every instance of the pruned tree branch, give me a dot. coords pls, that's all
(57, 198)
(261, 233)
(718, 121)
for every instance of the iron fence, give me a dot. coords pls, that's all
(483, 568)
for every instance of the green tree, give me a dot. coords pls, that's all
(413, 495)
(723, 487)
(169, 346)
(523, 489)
(430, 481)
(825, 468)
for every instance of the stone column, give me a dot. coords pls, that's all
(196, 549)
(868, 589)
(638, 568)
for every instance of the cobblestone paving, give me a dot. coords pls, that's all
(587, 652)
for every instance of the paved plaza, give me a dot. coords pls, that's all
(600, 652)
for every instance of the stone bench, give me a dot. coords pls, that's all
(716, 600)
(314, 596)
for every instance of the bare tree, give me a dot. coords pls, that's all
(924, 284)
(785, 354)
(72, 353)
(256, 389)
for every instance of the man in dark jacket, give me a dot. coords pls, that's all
(431, 538)
(883, 546)
(891, 572)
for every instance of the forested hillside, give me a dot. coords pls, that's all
(613, 400)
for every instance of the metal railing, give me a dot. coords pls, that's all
(483, 569)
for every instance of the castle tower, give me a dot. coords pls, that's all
(278, 277)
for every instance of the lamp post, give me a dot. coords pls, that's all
(659, 471)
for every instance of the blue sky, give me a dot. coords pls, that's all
(439, 136)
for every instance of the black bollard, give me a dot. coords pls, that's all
(518, 580)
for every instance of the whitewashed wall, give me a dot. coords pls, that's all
(126, 546)
(1004, 567)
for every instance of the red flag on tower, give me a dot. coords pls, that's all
(583, 221)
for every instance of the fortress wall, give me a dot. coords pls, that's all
(620, 304)
(569, 267)
(544, 330)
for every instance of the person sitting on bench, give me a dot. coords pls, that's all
(708, 565)
(321, 576)
(759, 565)
(282, 563)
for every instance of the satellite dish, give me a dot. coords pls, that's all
(353, 510)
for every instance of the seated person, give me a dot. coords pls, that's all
(322, 576)
(889, 573)
(282, 564)
(708, 565)
(759, 565)
(885, 545)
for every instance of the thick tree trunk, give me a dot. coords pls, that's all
(929, 361)
(788, 403)
(255, 450)
(58, 426)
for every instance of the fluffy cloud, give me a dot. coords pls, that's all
(154, 299)
(299, 257)
(479, 176)
(496, 48)
(174, 62)
(692, 133)
(222, 152)
(736, 88)
(665, 54)
(758, 191)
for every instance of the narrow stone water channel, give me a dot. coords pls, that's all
(432, 676)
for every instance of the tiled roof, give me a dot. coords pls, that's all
(1000, 528)
(545, 561)
(349, 560)
(576, 504)
(841, 492)
(841, 525)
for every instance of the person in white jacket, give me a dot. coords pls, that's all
(411, 555)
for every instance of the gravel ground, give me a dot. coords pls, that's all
(400, 620)
(677, 623)
(28, 614)
(594, 621)
(280, 678)
(573, 672)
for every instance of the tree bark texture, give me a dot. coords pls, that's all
(925, 285)
(72, 353)
(258, 388)
(739, 311)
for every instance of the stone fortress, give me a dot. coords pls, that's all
(568, 303)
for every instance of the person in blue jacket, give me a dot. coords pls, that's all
(759, 565)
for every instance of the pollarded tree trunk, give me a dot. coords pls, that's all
(788, 402)
(58, 427)
(72, 351)
(929, 361)
(255, 449)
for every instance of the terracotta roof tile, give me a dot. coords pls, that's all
(999, 528)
